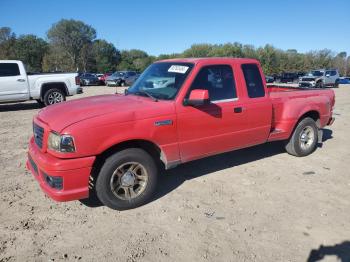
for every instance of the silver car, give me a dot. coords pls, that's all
(122, 78)
(320, 78)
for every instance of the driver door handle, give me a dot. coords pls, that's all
(238, 109)
(21, 80)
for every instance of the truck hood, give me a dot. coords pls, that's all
(62, 115)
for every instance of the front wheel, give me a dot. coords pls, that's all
(319, 84)
(304, 138)
(127, 179)
(54, 96)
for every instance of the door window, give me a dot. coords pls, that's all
(218, 80)
(9, 69)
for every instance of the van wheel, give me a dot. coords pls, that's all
(304, 139)
(54, 96)
(127, 179)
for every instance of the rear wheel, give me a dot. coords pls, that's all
(304, 139)
(127, 179)
(40, 102)
(54, 96)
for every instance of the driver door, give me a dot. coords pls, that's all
(211, 128)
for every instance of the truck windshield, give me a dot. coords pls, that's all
(161, 80)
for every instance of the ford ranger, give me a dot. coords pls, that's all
(46, 89)
(179, 110)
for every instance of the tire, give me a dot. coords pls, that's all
(54, 96)
(41, 103)
(304, 138)
(128, 165)
(319, 84)
(336, 84)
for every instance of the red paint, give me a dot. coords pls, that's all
(100, 122)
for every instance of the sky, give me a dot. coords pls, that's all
(164, 27)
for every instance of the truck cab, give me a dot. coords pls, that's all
(13, 81)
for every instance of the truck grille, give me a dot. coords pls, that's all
(38, 135)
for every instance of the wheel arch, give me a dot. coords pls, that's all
(47, 86)
(312, 113)
(150, 147)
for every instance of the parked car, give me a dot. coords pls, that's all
(122, 78)
(320, 78)
(269, 79)
(88, 79)
(288, 77)
(103, 78)
(100, 78)
(113, 145)
(47, 89)
(344, 80)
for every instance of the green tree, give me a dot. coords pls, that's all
(70, 37)
(198, 50)
(135, 59)
(31, 50)
(7, 42)
(106, 56)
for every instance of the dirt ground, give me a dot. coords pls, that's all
(257, 204)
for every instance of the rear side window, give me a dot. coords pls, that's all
(9, 69)
(253, 80)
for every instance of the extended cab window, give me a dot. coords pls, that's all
(9, 69)
(218, 80)
(253, 81)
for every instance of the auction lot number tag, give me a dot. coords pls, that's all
(178, 69)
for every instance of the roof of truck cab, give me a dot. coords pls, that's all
(210, 59)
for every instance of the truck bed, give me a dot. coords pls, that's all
(290, 103)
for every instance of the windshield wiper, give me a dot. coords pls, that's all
(143, 92)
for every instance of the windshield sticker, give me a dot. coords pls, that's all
(178, 69)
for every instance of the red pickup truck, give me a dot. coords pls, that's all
(177, 111)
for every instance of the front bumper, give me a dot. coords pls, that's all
(74, 172)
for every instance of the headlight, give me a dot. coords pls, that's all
(61, 143)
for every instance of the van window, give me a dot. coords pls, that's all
(9, 69)
(253, 80)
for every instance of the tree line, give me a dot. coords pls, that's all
(72, 45)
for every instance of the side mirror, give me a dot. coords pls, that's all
(328, 75)
(197, 97)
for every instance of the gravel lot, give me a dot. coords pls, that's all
(257, 204)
